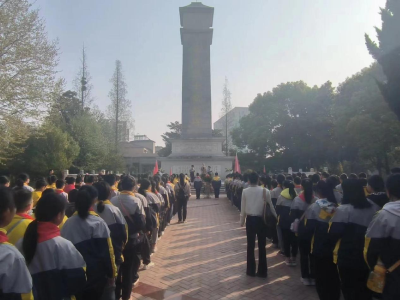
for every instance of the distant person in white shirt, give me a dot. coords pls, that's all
(252, 210)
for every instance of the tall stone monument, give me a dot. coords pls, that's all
(197, 146)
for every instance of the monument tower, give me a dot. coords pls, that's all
(197, 146)
(196, 38)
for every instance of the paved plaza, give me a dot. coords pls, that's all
(205, 258)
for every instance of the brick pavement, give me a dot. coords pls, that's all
(205, 258)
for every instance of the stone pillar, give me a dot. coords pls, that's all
(196, 38)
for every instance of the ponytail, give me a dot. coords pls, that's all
(153, 186)
(157, 180)
(182, 179)
(84, 200)
(308, 190)
(289, 185)
(103, 190)
(29, 243)
(144, 185)
(49, 206)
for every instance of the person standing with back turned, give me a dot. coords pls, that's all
(216, 184)
(254, 198)
(182, 192)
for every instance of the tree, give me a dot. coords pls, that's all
(387, 53)
(174, 133)
(27, 60)
(82, 84)
(292, 125)
(366, 129)
(226, 108)
(120, 107)
(47, 148)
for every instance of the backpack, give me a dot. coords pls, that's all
(181, 192)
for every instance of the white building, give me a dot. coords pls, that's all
(234, 117)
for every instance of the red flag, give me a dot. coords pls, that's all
(170, 171)
(237, 165)
(264, 170)
(155, 170)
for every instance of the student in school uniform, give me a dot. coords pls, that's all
(15, 279)
(154, 204)
(297, 185)
(23, 203)
(342, 178)
(23, 182)
(316, 225)
(111, 179)
(132, 209)
(297, 211)
(153, 193)
(60, 184)
(40, 186)
(56, 266)
(182, 193)
(91, 236)
(277, 238)
(52, 182)
(376, 190)
(197, 183)
(382, 240)
(283, 205)
(216, 184)
(70, 184)
(116, 223)
(347, 228)
(145, 249)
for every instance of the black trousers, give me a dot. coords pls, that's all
(182, 207)
(216, 193)
(274, 234)
(255, 227)
(95, 292)
(128, 272)
(198, 193)
(145, 250)
(354, 283)
(327, 279)
(307, 260)
(289, 242)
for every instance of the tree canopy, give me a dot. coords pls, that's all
(305, 127)
(387, 53)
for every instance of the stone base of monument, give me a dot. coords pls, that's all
(188, 152)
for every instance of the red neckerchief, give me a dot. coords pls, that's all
(59, 191)
(47, 231)
(3, 236)
(91, 208)
(25, 216)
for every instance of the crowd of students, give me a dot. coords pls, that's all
(84, 237)
(346, 228)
